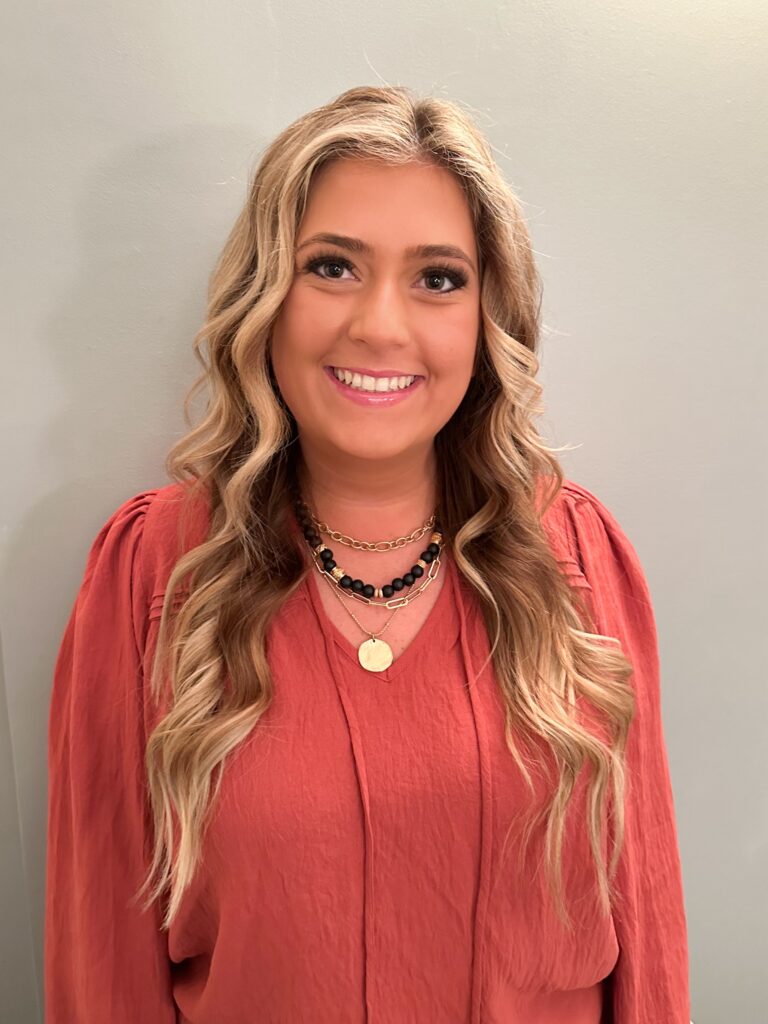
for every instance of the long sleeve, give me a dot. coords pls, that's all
(105, 960)
(650, 983)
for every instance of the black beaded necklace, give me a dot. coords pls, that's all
(366, 590)
(374, 654)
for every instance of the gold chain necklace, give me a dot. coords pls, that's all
(374, 654)
(376, 545)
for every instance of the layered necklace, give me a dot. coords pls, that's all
(374, 654)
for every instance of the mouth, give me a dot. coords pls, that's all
(362, 389)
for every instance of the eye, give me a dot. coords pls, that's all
(326, 260)
(441, 271)
(448, 273)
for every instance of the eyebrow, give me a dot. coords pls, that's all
(357, 245)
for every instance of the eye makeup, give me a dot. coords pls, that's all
(458, 278)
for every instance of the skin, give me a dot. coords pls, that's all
(370, 472)
(385, 313)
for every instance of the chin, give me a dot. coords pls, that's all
(377, 445)
(372, 452)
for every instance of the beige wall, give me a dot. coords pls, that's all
(635, 133)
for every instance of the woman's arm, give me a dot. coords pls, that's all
(650, 983)
(105, 961)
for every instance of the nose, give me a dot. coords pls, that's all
(379, 316)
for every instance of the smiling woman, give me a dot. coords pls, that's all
(366, 702)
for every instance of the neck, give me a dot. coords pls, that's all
(370, 499)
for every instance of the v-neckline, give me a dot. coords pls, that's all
(434, 626)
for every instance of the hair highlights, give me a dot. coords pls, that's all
(241, 459)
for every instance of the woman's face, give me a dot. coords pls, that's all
(367, 301)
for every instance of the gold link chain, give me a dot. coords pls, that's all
(378, 545)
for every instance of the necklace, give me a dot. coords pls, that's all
(377, 545)
(358, 587)
(374, 654)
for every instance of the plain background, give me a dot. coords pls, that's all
(635, 135)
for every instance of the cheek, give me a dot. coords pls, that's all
(451, 350)
(297, 346)
(289, 336)
(303, 329)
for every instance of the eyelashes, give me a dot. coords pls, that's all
(458, 278)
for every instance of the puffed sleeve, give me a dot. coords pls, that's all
(650, 982)
(105, 960)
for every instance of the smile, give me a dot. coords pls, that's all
(365, 390)
(364, 382)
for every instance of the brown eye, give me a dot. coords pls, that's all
(338, 264)
(446, 273)
(327, 260)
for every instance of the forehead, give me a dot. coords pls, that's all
(392, 206)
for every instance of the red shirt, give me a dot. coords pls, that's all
(353, 868)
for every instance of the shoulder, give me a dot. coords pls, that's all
(586, 533)
(571, 505)
(177, 520)
(156, 526)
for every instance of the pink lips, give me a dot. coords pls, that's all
(370, 398)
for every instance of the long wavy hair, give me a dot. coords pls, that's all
(241, 458)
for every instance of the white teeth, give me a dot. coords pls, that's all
(364, 382)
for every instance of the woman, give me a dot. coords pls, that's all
(359, 718)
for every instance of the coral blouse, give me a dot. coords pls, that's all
(353, 870)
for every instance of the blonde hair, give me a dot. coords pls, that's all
(242, 458)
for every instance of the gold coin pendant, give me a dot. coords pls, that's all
(375, 655)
